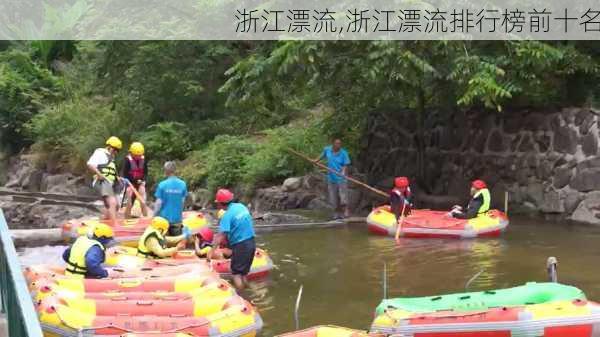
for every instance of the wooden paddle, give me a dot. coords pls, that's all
(137, 194)
(357, 182)
(399, 225)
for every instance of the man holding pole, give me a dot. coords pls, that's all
(337, 161)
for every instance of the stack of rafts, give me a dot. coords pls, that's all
(530, 310)
(180, 296)
(187, 299)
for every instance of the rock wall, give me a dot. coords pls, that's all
(548, 161)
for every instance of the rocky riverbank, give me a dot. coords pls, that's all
(548, 161)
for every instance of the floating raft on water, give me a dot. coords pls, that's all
(436, 224)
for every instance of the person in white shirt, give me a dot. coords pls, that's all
(106, 180)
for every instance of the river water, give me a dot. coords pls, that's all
(341, 269)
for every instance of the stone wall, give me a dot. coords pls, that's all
(548, 161)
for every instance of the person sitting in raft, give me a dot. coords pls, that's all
(85, 257)
(203, 244)
(479, 204)
(155, 244)
(400, 197)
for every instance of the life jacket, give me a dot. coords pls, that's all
(108, 170)
(136, 167)
(205, 248)
(150, 232)
(76, 262)
(485, 194)
(405, 195)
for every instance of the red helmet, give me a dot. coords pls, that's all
(206, 234)
(401, 182)
(478, 184)
(223, 196)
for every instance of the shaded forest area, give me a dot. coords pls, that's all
(228, 110)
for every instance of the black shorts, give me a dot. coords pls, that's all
(242, 255)
(175, 229)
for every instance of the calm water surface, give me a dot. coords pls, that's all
(341, 269)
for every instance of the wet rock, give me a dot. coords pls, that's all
(534, 193)
(496, 142)
(590, 144)
(513, 124)
(593, 162)
(200, 198)
(581, 116)
(291, 184)
(515, 142)
(586, 180)
(543, 142)
(588, 210)
(552, 203)
(535, 121)
(526, 144)
(562, 177)
(25, 215)
(544, 170)
(572, 199)
(318, 204)
(587, 124)
(565, 140)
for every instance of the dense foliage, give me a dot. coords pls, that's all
(229, 110)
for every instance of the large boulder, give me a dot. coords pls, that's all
(291, 184)
(586, 180)
(590, 145)
(565, 140)
(588, 210)
(571, 198)
(534, 193)
(552, 203)
(562, 176)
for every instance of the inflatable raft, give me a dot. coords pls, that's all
(126, 257)
(535, 309)
(437, 224)
(128, 231)
(328, 331)
(59, 318)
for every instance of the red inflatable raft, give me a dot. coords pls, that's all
(437, 224)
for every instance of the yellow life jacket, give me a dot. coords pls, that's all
(150, 232)
(485, 206)
(76, 262)
(108, 170)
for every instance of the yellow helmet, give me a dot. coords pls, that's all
(160, 223)
(136, 149)
(103, 231)
(114, 142)
(220, 213)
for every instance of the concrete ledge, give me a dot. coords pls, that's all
(36, 237)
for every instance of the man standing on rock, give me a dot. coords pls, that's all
(106, 181)
(337, 186)
(170, 197)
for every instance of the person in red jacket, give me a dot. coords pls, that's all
(135, 169)
(400, 197)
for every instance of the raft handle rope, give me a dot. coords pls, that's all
(297, 307)
(473, 278)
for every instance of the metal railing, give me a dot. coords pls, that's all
(22, 320)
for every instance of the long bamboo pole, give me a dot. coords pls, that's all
(357, 182)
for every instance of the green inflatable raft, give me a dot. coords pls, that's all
(530, 293)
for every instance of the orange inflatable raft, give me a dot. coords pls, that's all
(437, 224)
(126, 257)
(328, 331)
(128, 231)
(60, 318)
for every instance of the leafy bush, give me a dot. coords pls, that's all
(25, 87)
(166, 141)
(226, 158)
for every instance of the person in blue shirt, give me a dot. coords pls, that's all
(237, 227)
(337, 186)
(170, 197)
